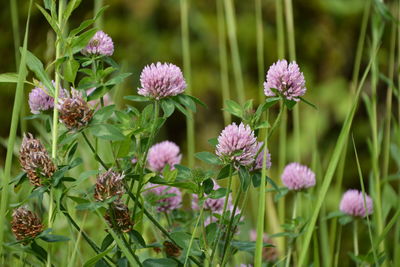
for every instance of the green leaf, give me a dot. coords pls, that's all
(208, 185)
(70, 69)
(53, 23)
(40, 253)
(233, 108)
(187, 102)
(224, 172)
(107, 241)
(168, 107)
(197, 101)
(79, 42)
(289, 103)
(213, 141)
(72, 5)
(9, 78)
(54, 238)
(245, 178)
(308, 103)
(92, 261)
(160, 263)
(137, 237)
(107, 132)
(35, 65)
(118, 79)
(208, 158)
(219, 193)
(137, 98)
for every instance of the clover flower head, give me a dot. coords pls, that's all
(161, 80)
(287, 79)
(352, 203)
(75, 112)
(163, 153)
(40, 99)
(297, 177)
(35, 160)
(25, 224)
(168, 198)
(108, 185)
(238, 144)
(118, 217)
(100, 44)
(259, 160)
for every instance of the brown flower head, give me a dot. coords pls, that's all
(171, 249)
(118, 218)
(25, 224)
(75, 112)
(35, 160)
(108, 185)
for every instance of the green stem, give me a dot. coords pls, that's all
(228, 251)
(157, 224)
(13, 132)
(228, 235)
(223, 59)
(193, 235)
(337, 247)
(98, 4)
(260, 48)
(190, 127)
(146, 151)
(222, 219)
(296, 198)
(261, 211)
(94, 151)
(277, 121)
(237, 69)
(355, 238)
(91, 243)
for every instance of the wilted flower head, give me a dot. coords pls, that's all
(108, 185)
(259, 160)
(161, 80)
(237, 144)
(287, 79)
(100, 44)
(35, 160)
(25, 224)
(352, 203)
(118, 218)
(167, 198)
(269, 254)
(40, 100)
(163, 153)
(213, 205)
(75, 112)
(297, 177)
(171, 249)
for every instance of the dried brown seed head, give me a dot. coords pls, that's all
(25, 224)
(118, 217)
(108, 185)
(35, 160)
(75, 112)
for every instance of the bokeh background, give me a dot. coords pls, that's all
(146, 31)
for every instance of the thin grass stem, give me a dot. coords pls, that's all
(237, 69)
(190, 126)
(22, 72)
(223, 59)
(193, 235)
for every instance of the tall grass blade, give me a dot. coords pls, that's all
(343, 136)
(13, 132)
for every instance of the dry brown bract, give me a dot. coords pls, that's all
(171, 249)
(75, 112)
(25, 224)
(118, 218)
(35, 160)
(108, 185)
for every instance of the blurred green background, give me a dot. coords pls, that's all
(148, 31)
